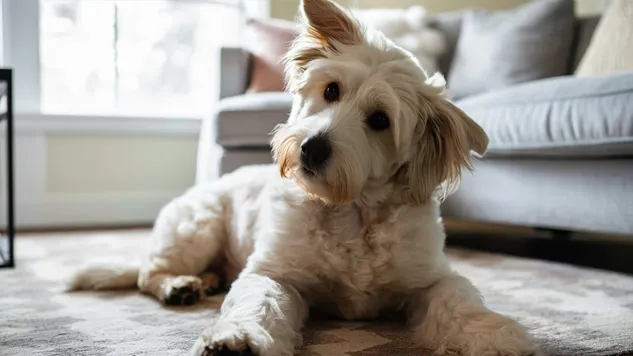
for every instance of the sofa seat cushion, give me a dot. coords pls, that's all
(562, 116)
(247, 120)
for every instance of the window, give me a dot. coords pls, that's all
(125, 57)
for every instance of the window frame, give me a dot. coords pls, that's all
(20, 39)
(35, 205)
(20, 44)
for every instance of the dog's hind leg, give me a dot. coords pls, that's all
(188, 237)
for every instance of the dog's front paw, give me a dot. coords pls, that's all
(222, 350)
(182, 290)
(231, 338)
(490, 334)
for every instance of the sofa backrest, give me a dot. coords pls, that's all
(449, 23)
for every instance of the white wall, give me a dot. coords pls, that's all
(286, 9)
(591, 7)
(83, 171)
(77, 164)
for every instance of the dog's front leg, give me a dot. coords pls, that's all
(260, 316)
(450, 318)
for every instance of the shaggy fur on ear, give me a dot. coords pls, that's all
(446, 136)
(325, 27)
(328, 23)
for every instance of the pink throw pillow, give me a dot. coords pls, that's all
(268, 41)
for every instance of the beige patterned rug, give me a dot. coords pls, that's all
(572, 311)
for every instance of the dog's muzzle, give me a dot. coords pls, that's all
(315, 152)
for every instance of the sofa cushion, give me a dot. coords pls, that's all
(233, 159)
(247, 120)
(583, 194)
(564, 116)
(449, 23)
(585, 27)
(268, 41)
(501, 48)
(611, 47)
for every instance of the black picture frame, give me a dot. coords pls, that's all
(7, 258)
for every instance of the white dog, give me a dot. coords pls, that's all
(351, 227)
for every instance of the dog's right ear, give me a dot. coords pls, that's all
(329, 23)
(445, 138)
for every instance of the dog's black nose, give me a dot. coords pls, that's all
(315, 152)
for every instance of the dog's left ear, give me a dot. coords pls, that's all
(476, 137)
(324, 27)
(329, 23)
(445, 141)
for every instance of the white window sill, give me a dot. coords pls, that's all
(29, 123)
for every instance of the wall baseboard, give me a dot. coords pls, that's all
(85, 210)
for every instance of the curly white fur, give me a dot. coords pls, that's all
(361, 236)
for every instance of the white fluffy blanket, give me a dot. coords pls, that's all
(408, 28)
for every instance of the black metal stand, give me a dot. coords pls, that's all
(6, 81)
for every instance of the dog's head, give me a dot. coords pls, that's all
(366, 114)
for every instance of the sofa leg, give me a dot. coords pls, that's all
(555, 234)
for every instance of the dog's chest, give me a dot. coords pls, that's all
(354, 248)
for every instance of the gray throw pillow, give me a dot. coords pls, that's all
(499, 49)
(449, 24)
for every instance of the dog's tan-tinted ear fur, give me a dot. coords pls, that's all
(477, 137)
(329, 23)
(445, 140)
(323, 26)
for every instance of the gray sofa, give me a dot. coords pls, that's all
(560, 154)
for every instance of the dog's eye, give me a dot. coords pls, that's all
(378, 121)
(331, 92)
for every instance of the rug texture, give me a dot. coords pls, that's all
(571, 311)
